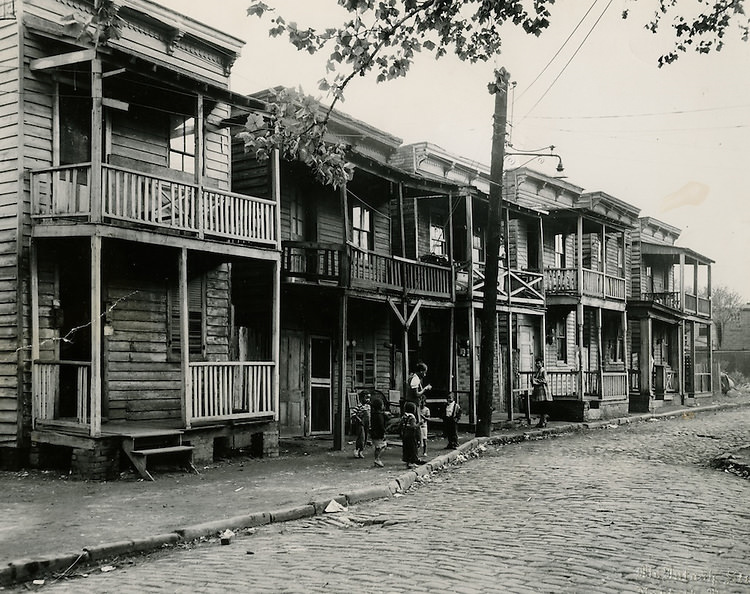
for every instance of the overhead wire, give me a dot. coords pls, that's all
(580, 45)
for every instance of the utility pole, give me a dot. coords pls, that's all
(488, 353)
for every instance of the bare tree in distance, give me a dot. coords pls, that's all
(725, 307)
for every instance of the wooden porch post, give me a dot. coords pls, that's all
(682, 283)
(199, 160)
(96, 141)
(579, 305)
(96, 336)
(626, 352)
(339, 430)
(472, 363)
(402, 230)
(470, 253)
(276, 335)
(599, 356)
(681, 359)
(34, 262)
(645, 359)
(450, 256)
(509, 382)
(187, 388)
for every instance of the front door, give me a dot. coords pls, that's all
(292, 384)
(321, 405)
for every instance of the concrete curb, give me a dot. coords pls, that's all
(23, 570)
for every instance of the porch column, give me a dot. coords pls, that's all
(599, 355)
(645, 358)
(276, 335)
(34, 265)
(472, 364)
(96, 336)
(96, 141)
(186, 405)
(625, 352)
(470, 251)
(579, 305)
(450, 256)
(682, 282)
(681, 359)
(509, 383)
(340, 428)
(199, 159)
(401, 224)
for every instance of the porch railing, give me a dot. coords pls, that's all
(614, 385)
(667, 299)
(564, 384)
(311, 262)
(58, 381)
(130, 196)
(697, 305)
(702, 382)
(595, 283)
(231, 390)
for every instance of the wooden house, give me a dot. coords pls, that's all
(586, 256)
(140, 294)
(360, 304)
(520, 303)
(669, 318)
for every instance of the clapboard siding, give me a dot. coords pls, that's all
(141, 136)
(217, 148)
(250, 176)
(9, 165)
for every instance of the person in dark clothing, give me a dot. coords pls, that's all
(540, 392)
(377, 429)
(452, 416)
(411, 435)
(360, 423)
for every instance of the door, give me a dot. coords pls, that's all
(292, 384)
(321, 404)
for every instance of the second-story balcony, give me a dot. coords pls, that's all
(693, 304)
(670, 299)
(524, 286)
(564, 281)
(349, 267)
(132, 198)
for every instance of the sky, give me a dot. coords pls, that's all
(673, 141)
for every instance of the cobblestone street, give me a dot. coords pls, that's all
(632, 508)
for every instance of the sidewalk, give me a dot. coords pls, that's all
(49, 521)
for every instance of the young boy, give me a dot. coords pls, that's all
(377, 430)
(410, 435)
(452, 416)
(423, 428)
(360, 422)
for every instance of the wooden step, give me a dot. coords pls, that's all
(164, 450)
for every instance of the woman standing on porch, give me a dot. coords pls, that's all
(540, 393)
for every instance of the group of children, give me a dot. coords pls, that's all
(369, 420)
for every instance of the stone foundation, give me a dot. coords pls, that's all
(99, 463)
(259, 440)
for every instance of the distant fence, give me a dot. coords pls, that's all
(734, 361)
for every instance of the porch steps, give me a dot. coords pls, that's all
(139, 446)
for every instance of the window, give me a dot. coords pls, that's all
(620, 258)
(559, 250)
(561, 340)
(437, 234)
(297, 217)
(362, 227)
(477, 247)
(196, 294)
(364, 368)
(182, 143)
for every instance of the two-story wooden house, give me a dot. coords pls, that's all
(669, 318)
(140, 295)
(586, 255)
(520, 303)
(360, 304)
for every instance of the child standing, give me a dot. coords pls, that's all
(423, 428)
(410, 435)
(360, 422)
(377, 430)
(452, 416)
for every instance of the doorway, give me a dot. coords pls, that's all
(321, 406)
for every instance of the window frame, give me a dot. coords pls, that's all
(196, 320)
(179, 146)
(362, 222)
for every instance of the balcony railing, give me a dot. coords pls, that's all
(230, 390)
(667, 299)
(525, 286)
(61, 391)
(351, 267)
(132, 197)
(595, 284)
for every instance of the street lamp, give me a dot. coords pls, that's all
(538, 153)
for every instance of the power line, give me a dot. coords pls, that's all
(580, 45)
(639, 115)
(557, 53)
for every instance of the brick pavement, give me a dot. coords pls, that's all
(633, 509)
(299, 478)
